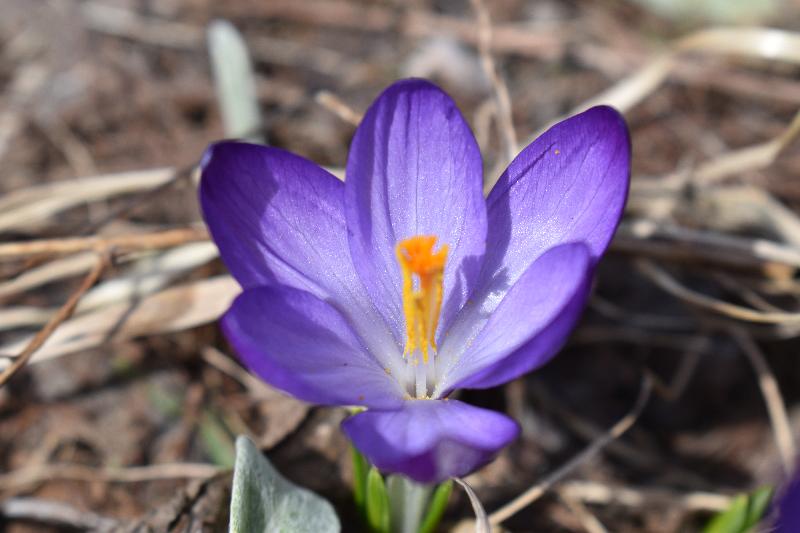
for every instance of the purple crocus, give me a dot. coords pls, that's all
(402, 284)
(788, 520)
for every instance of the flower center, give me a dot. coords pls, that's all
(423, 273)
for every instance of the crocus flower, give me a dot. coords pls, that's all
(402, 284)
(788, 520)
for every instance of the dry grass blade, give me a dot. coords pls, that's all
(749, 158)
(174, 309)
(148, 265)
(49, 272)
(707, 244)
(776, 407)
(124, 23)
(26, 477)
(589, 522)
(664, 280)
(63, 314)
(482, 524)
(24, 317)
(21, 209)
(149, 274)
(747, 42)
(144, 241)
(56, 514)
(600, 494)
(617, 430)
(336, 105)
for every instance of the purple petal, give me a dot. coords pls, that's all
(431, 440)
(569, 185)
(525, 330)
(279, 218)
(302, 345)
(414, 169)
(789, 508)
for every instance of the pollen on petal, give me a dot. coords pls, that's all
(423, 274)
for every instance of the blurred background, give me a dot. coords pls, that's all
(120, 401)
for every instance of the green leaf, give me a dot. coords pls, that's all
(217, 441)
(235, 82)
(378, 517)
(743, 514)
(436, 507)
(263, 501)
(759, 502)
(360, 468)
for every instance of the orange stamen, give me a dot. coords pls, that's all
(423, 267)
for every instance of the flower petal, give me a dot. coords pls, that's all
(279, 218)
(414, 168)
(788, 520)
(302, 345)
(430, 440)
(525, 330)
(569, 185)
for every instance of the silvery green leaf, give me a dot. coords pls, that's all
(264, 501)
(235, 82)
(407, 501)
